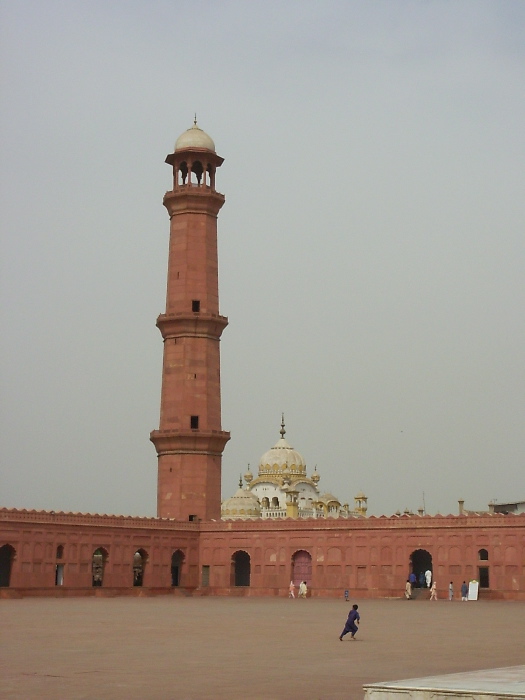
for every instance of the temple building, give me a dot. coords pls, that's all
(283, 489)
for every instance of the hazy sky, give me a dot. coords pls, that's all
(371, 248)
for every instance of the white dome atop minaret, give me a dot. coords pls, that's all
(194, 137)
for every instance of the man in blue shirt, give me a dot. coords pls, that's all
(351, 623)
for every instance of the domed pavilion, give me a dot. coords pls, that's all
(283, 488)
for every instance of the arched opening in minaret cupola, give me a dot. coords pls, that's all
(209, 176)
(196, 173)
(182, 173)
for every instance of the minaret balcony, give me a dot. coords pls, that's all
(196, 199)
(205, 442)
(191, 325)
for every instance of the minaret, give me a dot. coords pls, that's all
(190, 440)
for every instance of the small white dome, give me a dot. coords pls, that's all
(328, 498)
(194, 138)
(244, 504)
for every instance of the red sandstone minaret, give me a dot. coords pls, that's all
(190, 440)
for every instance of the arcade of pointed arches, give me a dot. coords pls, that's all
(194, 174)
(99, 561)
(301, 566)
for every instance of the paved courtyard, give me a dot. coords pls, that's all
(168, 648)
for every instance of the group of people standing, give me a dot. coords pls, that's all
(424, 581)
(433, 588)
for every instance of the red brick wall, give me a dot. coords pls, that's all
(370, 557)
(36, 537)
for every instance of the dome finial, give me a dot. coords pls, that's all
(195, 120)
(248, 477)
(240, 481)
(282, 431)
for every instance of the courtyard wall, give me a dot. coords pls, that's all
(371, 557)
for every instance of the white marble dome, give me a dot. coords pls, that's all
(280, 457)
(242, 505)
(194, 137)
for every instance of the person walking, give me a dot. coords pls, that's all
(433, 591)
(408, 590)
(291, 590)
(351, 623)
(303, 590)
(428, 577)
(464, 591)
(451, 591)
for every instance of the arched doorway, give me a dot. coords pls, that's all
(139, 567)
(420, 563)
(59, 566)
(302, 567)
(7, 554)
(483, 571)
(241, 569)
(98, 564)
(177, 560)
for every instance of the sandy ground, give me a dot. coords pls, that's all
(167, 648)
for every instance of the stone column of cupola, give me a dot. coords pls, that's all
(190, 439)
